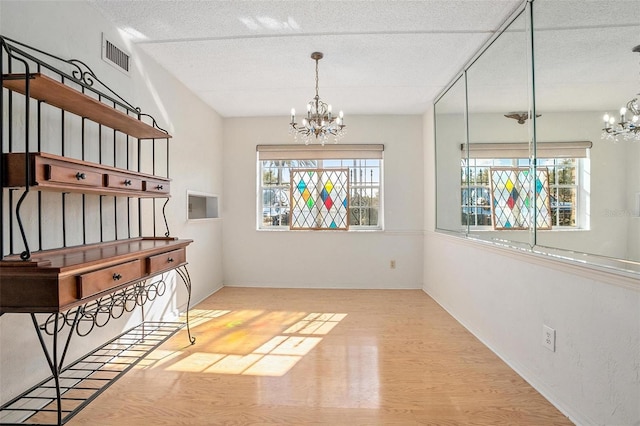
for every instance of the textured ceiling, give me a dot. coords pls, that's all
(252, 58)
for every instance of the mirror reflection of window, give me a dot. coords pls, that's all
(565, 186)
(570, 72)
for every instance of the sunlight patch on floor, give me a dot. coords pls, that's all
(247, 342)
(200, 316)
(273, 365)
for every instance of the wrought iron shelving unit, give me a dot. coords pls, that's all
(78, 288)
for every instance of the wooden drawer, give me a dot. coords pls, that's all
(48, 172)
(156, 186)
(60, 279)
(106, 278)
(72, 175)
(118, 181)
(165, 261)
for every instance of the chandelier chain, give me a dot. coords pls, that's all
(317, 80)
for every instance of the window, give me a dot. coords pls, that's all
(564, 189)
(275, 166)
(565, 185)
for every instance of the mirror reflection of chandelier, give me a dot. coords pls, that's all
(629, 125)
(320, 123)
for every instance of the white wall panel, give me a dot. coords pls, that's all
(325, 259)
(504, 297)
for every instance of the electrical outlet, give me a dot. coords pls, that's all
(549, 338)
(392, 264)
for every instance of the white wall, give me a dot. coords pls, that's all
(325, 259)
(504, 297)
(73, 30)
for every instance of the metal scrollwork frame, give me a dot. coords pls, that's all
(96, 314)
(79, 73)
(83, 319)
(183, 273)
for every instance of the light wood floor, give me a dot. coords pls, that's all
(323, 357)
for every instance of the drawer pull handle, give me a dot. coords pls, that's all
(170, 259)
(116, 277)
(159, 187)
(127, 182)
(80, 176)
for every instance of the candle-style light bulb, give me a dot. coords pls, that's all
(606, 118)
(623, 113)
(293, 115)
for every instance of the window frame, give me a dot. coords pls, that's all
(518, 155)
(353, 157)
(467, 187)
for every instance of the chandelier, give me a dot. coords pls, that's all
(629, 125)
(320, 123)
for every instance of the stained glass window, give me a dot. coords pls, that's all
(274, 184)
(565, 189)
(320, 199)
(512, 194)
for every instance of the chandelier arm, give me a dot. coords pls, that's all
(628, 127)
(634, 106)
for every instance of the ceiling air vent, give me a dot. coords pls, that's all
(115, 56)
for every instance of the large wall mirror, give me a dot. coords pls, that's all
(451, 131)
(520, 151)
(584, 68)
(497, 85)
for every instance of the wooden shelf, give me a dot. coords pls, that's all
(57, 280)
(87, 281)
(62, 96)
(49, 172)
